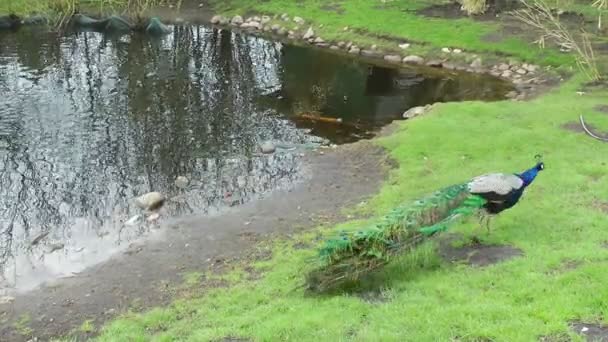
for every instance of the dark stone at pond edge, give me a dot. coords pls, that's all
(10, 22)
(370, 53)
(36, 20)
(476, 254)
(157, 28)
(592, 331)
(110, 24)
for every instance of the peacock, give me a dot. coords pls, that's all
(353, 254)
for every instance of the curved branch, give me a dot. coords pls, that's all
(591, 134)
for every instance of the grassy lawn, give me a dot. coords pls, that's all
(423, 298)
(559, 225)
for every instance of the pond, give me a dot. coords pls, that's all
(88, 122)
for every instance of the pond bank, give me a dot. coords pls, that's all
(147, 275)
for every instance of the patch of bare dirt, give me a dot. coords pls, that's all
(601, 108)
(555, 338)
(476, 254)
(341, 177)
(601, 206)
(577, 128)
(591, 331)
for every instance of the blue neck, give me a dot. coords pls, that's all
(529, 175)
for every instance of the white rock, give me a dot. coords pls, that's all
(503, 66)
(309, 33)
(374, 47)
(392, 58)
(265, 19)
(413, 59)
(476, 64)
(275, 27)
(457, 51)
(446, 50)
(415, 111)
(267, 147)
(354, 50)
(236, 20)
(150, 201)
(319, 40)
(153, 217)
(404, 46)
(507, 74)
(346, 28)
(299, 20)
(181, 182)
(216, 19)
(521, 71)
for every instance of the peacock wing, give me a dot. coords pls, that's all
(495, 187)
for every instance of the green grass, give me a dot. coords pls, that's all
(53, 7)
(420, 296)
(429, 299)
(397, 19)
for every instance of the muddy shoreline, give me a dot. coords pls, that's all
(339, 177)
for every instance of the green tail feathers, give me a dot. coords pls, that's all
(355, 253)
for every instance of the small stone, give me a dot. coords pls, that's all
(322, 45)
(256, 25)
(153, 217)
(150, 201)
(354, 50)
(404, 46)
(299, 20)
(507, 74)
(449, 66)
(282, 31)
(476, 64)
(531, 68)
(511, 94)
(267, 147)
(6, 299)
(415, 111)
(345, 28)
(413, 59)
(457, 51)
(503, 66)
(521, 71)
(256, 18)
(309, 33)
(266, 28)
(237, 20)
(285, 16)
(334, 47)
(374, 47)
(265, 20)
(348, 45)
(341, 44)
(446, 50)
(275, 27)
(319, 40)
(369, 53)
(495, 73)
(216, 19)
(392, 58)
(181, 182)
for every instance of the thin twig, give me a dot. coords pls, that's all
(591, 134)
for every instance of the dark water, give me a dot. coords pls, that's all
(88, 122)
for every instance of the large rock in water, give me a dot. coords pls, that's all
(157, 28)
(111, 24)
(150, 201)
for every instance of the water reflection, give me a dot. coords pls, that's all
(88, 122)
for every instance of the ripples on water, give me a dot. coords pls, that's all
(88, 122)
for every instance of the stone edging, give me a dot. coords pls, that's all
(527, 78)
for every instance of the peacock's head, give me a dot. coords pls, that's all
(540, 165)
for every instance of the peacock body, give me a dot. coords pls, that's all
(351, 255)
